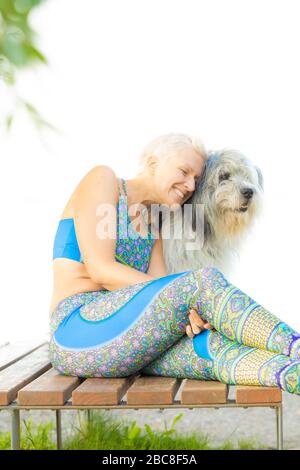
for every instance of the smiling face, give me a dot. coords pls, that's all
(177, 176)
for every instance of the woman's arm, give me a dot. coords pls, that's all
(118, 275)
(157, 266)
(98, 187)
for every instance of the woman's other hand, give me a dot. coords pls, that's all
(197, 324)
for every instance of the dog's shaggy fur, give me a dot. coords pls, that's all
(230, 193)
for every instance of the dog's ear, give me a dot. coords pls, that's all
(260, 177)
(196, 197)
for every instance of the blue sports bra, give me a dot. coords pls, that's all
(134, 250)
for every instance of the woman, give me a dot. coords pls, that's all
(114, 309)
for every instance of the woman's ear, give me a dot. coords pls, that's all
(152, 162)
(260, 177)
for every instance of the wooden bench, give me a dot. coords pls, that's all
(28, 381)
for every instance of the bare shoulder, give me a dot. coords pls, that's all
(100, 171)
(99, 183)
(102, 175)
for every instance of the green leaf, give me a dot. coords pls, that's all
(13, 47)
(35, 53)
(6, 71)
(18, 49)
(168, 432)
(17, 39)
(176, 419)
(8, 122)
(134, 431)
(36, 117)
(22, 6)
(149, 431)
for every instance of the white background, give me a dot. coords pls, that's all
(121, 73)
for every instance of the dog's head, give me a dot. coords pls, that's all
(230, 189)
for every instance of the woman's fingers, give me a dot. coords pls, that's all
(197, 321)
(196, 329)
(197, 324)
(189, 331)
(193, 330)
(195, 317)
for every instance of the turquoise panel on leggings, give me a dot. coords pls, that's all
(200, 343)
(76, 332)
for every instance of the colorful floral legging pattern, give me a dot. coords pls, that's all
(142, 328)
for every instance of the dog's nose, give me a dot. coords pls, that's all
(247, 193)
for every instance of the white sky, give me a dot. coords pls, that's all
(121, 73)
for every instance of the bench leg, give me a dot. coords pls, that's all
(15, 429)
(279, 423)
(58, 430)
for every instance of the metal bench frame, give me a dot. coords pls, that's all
(15, 410)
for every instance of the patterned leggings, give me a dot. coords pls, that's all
(142, 328)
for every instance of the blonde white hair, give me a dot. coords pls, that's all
(165, 145)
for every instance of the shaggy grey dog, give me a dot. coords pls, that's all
(224, 205)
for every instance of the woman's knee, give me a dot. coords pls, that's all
(208, 271)
(210, 277)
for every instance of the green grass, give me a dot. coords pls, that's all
(106, 432)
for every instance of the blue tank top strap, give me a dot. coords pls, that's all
(124, 186)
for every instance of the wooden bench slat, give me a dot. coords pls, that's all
(257, 394)
(101, 391)
(203, 391)
(16, 376)
(13, 352)
(153, 390)
(26, 372)
(51, 388)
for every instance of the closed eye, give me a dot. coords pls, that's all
(197, 179)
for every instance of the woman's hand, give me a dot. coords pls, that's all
(197, 324)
